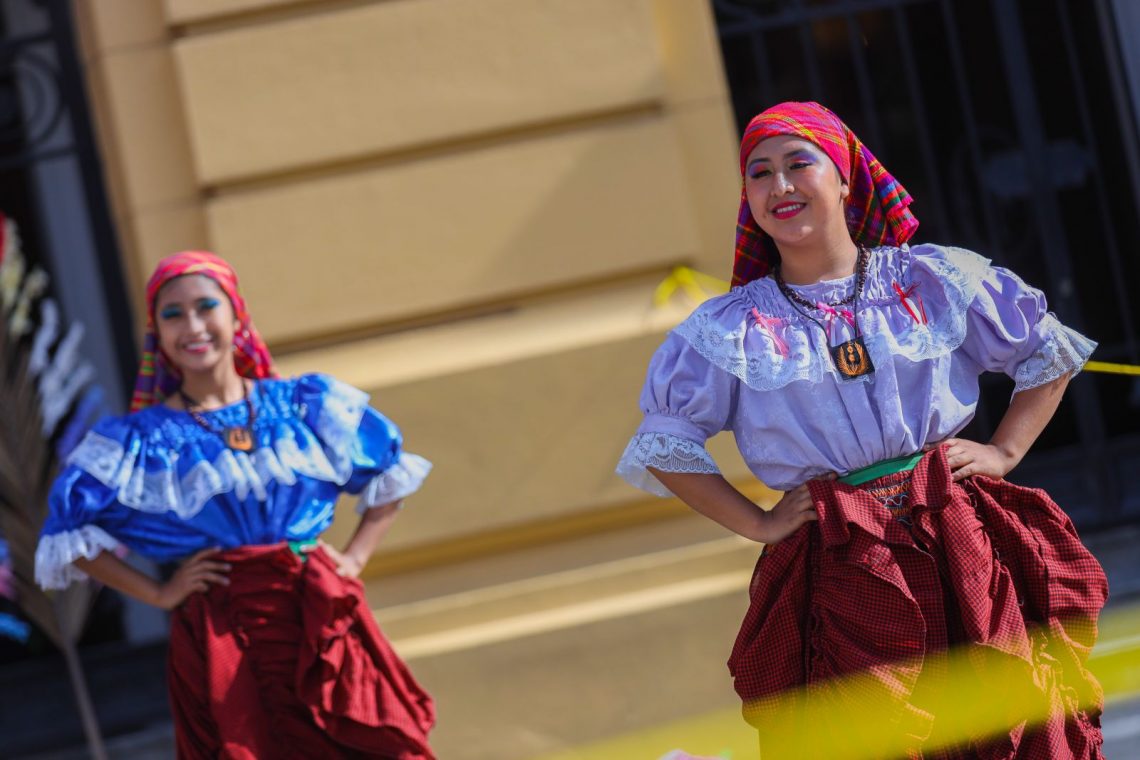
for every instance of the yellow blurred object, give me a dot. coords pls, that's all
(1114, 369)
(697, 285)
(986, 693)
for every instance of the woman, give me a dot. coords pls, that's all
(842, 351)
(235, 473)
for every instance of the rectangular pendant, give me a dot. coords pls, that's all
(851, 358)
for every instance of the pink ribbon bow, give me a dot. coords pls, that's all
(830, 313)
(768, 325)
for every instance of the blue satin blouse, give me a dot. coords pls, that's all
(161, 484)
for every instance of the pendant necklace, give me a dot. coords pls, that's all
(850, 357)
(237, 437)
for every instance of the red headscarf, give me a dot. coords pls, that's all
(158, 377)
(877, 212)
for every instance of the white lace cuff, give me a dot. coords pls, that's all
(1064, 351)
(397, 482)
(665, 452)
(57, 551)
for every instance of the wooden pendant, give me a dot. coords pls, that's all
(851, 358)
(239, 438)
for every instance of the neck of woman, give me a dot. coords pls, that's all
(214, 388)
(827, 260)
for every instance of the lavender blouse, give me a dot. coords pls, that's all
(749, 362)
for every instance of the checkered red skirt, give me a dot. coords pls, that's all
(288, 662)
(982, 563)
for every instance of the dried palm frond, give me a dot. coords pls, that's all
(29, 463)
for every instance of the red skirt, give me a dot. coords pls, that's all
(288, 662)
(985, 565)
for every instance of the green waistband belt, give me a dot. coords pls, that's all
(298, 547)
(879, 469)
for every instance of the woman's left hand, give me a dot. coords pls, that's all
(968, 458)
(347, 566)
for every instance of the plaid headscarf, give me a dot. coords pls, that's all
(877, 212)
(158, 377)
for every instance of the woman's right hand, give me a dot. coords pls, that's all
(793, 509)
(195, 575)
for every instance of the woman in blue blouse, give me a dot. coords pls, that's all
(234, 473)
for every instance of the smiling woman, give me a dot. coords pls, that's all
(196, 326)
(195, 320)
(793, 191)
(846, 361)
(232, 473)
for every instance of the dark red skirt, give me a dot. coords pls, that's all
(984, 565)
(288, 662)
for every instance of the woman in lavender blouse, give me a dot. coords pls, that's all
(845, 362)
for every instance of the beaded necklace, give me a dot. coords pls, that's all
(237, 437)
(850, 357)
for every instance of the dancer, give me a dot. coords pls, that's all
(846, 362)
(234, 473)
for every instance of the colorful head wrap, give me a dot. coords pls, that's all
(158, 377)
(877, 212)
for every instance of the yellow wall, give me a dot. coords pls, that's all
(462, 207)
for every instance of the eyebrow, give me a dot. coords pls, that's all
(789, 154)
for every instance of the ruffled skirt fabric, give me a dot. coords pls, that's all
(981, 566)
(288, 662)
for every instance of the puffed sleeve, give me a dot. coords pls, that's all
(686, 400)
(1010, 329)
(364, 447)
(80, 520)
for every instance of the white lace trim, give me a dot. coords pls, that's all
(398, 482)
(762, 369)
(1064, 351)
(750, 353)
(237, 471)
(57, 551)
(665, 452)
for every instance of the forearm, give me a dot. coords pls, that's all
(716, 498)
(1028, 414)
(117, 574)
(373, 525)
